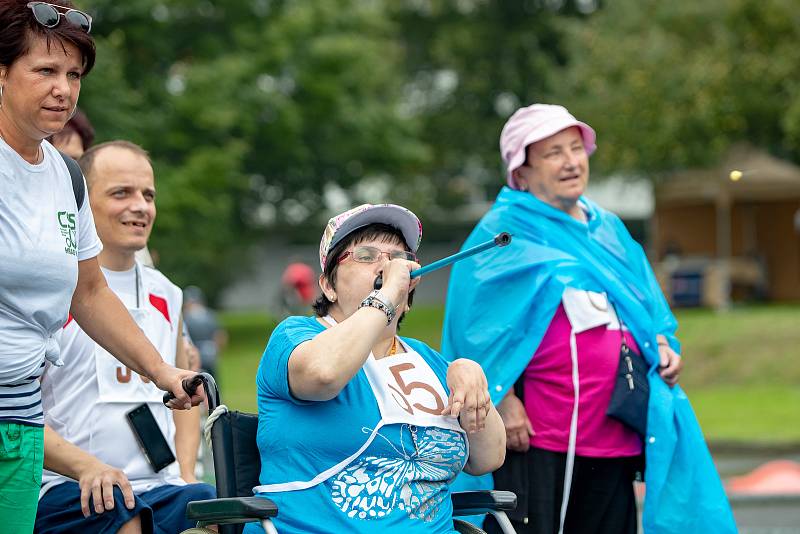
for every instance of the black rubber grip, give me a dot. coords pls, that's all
(190, 386)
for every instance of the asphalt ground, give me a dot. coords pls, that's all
(762, 514)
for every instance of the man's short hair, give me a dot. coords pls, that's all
(87, 161)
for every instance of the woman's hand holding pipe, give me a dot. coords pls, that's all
(397, 282)
(319, 368)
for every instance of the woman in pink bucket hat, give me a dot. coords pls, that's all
(579, 348)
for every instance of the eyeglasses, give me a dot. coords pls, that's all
(49, 16)
(368, 254)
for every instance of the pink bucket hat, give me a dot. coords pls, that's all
(345, 223)
(534, 123)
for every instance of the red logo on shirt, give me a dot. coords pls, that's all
(160, 304)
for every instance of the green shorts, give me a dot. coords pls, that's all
(21, 457)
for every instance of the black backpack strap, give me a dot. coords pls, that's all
(78, 185)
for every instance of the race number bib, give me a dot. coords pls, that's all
(118, 383)
(408, 391)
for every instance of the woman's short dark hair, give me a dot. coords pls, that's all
(20, 27)
(372, 231)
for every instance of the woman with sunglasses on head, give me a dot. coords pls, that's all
(48, 249)
(364, 427)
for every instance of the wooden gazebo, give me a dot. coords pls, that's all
(744, 235)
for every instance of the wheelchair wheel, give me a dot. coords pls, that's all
(199, 530)
(466, 528)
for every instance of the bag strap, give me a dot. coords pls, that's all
(623, 344)
(78, 185)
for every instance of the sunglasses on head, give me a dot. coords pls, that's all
(49, 16)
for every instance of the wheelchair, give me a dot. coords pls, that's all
(237, 465)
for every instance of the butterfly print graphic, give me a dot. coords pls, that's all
(415, 481)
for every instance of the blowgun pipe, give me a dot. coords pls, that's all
(500, 240)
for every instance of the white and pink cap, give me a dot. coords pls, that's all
(534, 123)
(345, 223)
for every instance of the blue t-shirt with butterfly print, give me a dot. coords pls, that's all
(400, 483)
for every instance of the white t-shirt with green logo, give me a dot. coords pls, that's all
(42, 238)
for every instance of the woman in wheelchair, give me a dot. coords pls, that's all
(360, 430)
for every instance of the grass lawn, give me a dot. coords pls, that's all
(742, 368)
(247, 337)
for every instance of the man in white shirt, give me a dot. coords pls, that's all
(87, 399)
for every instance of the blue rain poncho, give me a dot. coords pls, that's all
(501, 302)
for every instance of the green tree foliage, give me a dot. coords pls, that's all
(470, 64)
(259, 113)
(250, 110)
(673, 84)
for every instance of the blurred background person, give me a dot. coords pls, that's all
(204, 328)
(76, 137)
(298, 288)
(193, 355)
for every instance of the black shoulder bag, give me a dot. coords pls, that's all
(631, 393)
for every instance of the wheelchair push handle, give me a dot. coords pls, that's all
(190, 387)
